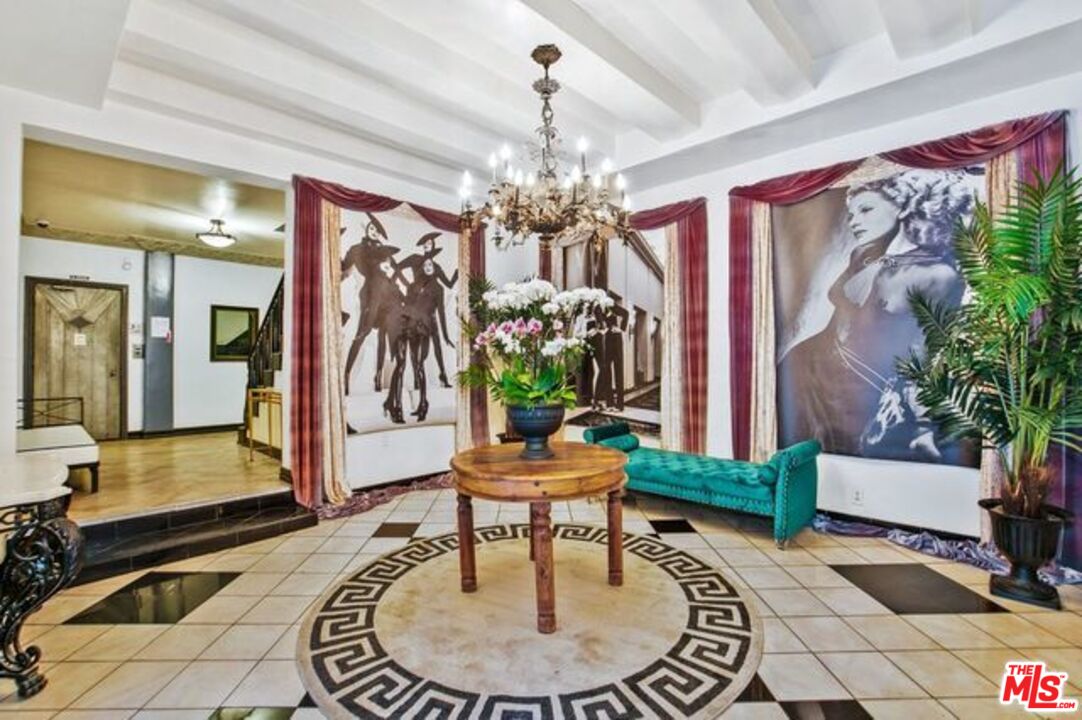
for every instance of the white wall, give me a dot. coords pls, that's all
(205, 392)
(917, 494)
(152, 138)
(41, 257)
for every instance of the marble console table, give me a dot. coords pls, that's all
(43, 551)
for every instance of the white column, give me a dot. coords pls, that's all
(11, 163)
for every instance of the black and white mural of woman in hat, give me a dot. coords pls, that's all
(427, 278)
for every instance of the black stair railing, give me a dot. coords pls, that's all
(266, 356)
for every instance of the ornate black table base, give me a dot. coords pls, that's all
(44, 554)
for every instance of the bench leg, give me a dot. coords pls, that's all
(94, 477)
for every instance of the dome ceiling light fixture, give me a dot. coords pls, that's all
(546, 201)
(216, 237)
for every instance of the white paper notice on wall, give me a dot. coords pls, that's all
(79, 339)
(159, 326)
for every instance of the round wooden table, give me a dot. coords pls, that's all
(577, 470)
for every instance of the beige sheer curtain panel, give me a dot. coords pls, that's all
(764, 375)
(334, 417)
(672, 422)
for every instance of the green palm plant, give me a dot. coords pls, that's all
(1005, 367)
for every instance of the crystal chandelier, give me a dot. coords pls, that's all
(545, 201)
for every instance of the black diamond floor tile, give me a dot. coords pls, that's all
(396, 530)
(672, 526)
(915, 589)
(825, 710)
(157, 597)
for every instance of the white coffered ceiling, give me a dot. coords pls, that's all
(424, 88)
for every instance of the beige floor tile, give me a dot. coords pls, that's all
(119, 643)
(1068, 660)
(59, 642)
(67, 681)
(962, 573)
(262, 547)
(882, 555)
(1015, 630)
(808, 538)
(361, 529)
(730, 540)
(233, 563)
(220, 610)
(283, 609)
(342, 544)
(271, 683)
(837, 556)
(986, 709)
(826, 634)
(279, 562)
(203, 684)
(889, 632)
(382, 545)
(303, 583)
(130, 686)
(60, 609)
(101, 588)
(256, 584)
(761, 607)
(1065, 625)
(300, 545)
(754, 711)
(941, 674)
(173, 715)
(870, 675)
(110, 714)
(989, 663)
(323, 563)
(799, 677)
(244, 642)
(818, 576)
(791, 557)
(767, 578)
(953, 632)
(777, 637)
(850, 601)
(789, 603)
(906, 710)
(181, 642)
(286, 646)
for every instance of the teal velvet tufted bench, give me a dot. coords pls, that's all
(783, 488)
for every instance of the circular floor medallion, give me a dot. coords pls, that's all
(399, 640)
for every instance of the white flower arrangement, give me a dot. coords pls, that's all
(531, 339)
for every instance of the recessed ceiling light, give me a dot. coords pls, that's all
(216, 236)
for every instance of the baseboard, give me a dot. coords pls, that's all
(285, 475)
(198, 430)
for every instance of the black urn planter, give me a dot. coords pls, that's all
(535, 424)
(1029, 544)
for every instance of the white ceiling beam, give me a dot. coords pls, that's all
(580, 25)
(773, 63)
(365, 40)
(916, 27)
(228, 56)
(147, 89)
(59, 48)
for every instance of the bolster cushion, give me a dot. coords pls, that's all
(604, 432)
(795, 455)
(627, 443)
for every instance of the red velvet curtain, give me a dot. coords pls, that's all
(783, 190)
(306, 441)
(1036, 139)
(691, 239)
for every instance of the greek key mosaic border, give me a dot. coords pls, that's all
(351, 675)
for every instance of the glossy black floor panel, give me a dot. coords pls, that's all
(155, 598)
(915, 589)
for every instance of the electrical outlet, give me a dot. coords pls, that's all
(858, 497)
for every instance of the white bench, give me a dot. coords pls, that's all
(70, 444)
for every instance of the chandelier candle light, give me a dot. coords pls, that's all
(545, 201)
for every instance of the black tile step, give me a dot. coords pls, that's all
(136, 543)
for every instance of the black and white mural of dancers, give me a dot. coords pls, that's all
(398, 320)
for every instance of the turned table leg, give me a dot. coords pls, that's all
(467, 564)
(616, 539)
(541, 533)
